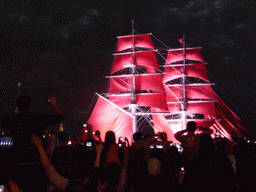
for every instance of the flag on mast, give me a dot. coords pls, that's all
(181, 41)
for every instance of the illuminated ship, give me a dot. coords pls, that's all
(144, 97)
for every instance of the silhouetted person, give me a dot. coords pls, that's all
(84, 154)
(140, 142)
(26, 167)
(190, 141)
(62, 156)
(110, 152)
(210, 171)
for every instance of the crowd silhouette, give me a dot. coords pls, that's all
(149, 163)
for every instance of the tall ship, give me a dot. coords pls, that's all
(147, 97)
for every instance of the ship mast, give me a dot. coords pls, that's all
(184, 74)
(133, 107)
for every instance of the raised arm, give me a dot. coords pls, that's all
(123, 176)
(165, 143)
(58, 181)
(128, 144)
(179, 134)
(207, 131)
(89, 132)
(51, 139)
(99, 149)
(53, 103)
(78, 138)
(97, 134)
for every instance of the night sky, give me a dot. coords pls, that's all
(65, 49)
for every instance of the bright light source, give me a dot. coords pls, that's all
(159, 146)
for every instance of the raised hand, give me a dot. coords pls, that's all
(97, 134)
(127, 141)
(163, 136)
(36, 140)
(99, 147)
(125, 138)
(89, 126)
(14, 186)
(52, 101)
(119, 140)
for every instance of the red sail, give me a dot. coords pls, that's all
(108, 117)
(145, 58)
(199, 92)
(223, 126)
(174, 107)
(170, 96)
(141, 41)
(148, 59)
(122, 101)
(152, 82)
(152, 100)
(161, 125)
(176, 55)
(121, 62)
(230, 116)
(202, 91)
(193, 70)
(206, 108)
(143, 100)
(120, 84)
